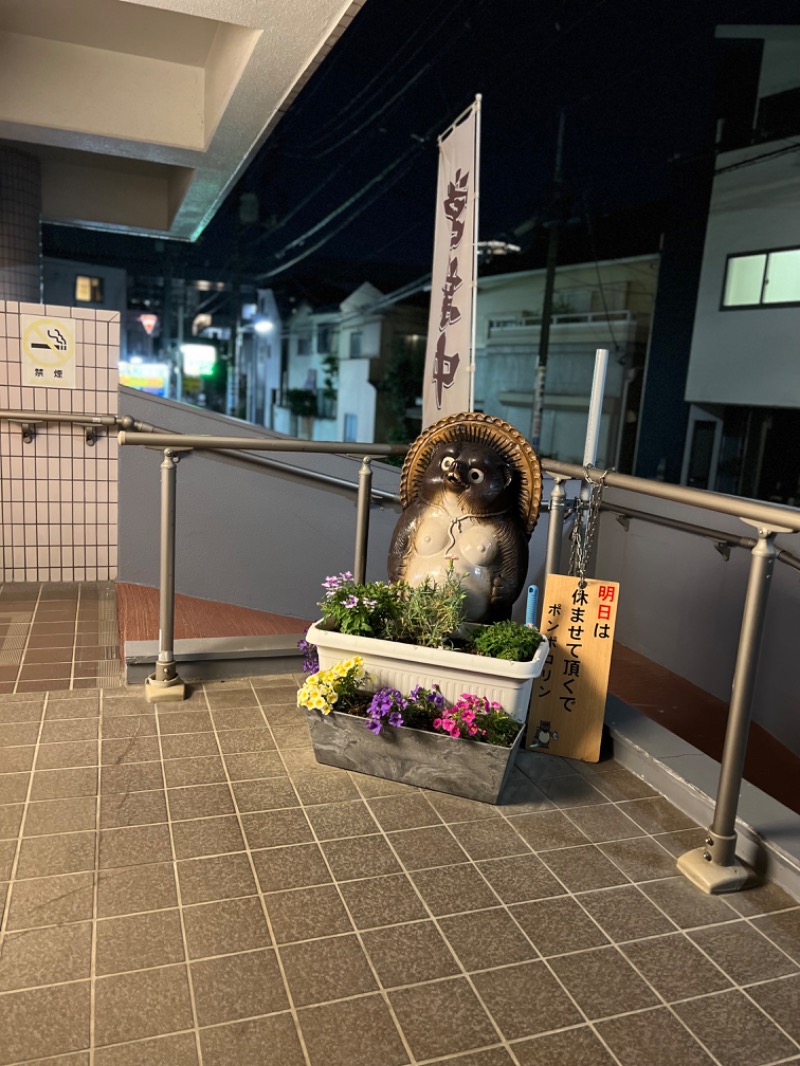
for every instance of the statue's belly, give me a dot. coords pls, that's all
(467, 545)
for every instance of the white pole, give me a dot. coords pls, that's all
(595, 407)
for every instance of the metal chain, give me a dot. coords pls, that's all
(587, 516)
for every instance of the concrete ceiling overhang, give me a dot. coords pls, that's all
(143, 114)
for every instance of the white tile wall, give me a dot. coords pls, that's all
(58, 497)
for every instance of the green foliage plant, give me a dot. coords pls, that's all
(429, 614)
(506, 640)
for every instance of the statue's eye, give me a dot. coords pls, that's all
(476, 476)
(447, 463)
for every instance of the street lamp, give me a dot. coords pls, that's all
(256, 328)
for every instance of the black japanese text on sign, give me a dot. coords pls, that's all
(568, 703)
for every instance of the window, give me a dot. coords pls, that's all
(350, 428)
(88, 290)
(762, 279)
(323, 339)
(304, 344)
(355, 345)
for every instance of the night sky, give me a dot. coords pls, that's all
(355, 160)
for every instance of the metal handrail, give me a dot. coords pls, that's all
(721, 540)
(712, 867)
(778, 516)
(28, 419)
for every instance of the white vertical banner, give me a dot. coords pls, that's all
(449, 358)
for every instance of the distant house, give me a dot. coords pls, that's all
(336, 364)
(607, 304)
(743, 381)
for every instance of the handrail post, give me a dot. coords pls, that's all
(713, 867)
(555, 528)
(362, 520)
(165, 684)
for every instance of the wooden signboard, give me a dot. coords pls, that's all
(569, 698)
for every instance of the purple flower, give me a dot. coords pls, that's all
(395, 718)
(351, 601)
(310, 656)
(374, 725)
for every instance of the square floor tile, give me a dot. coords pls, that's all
(61, 816)
(332, 821)
(130, 749)
(120, 809)
(545, 830)
(556, 926)
(66, 755)
(779, 999)
(734, 1030)
(130, 1006)
(207, 836)
(525, 999)
(403, 812)
(51, 901)
(225, 927)
(199, 801)
(603, 982)
(687, 907)
(62, 784)
(200, 771)
(244, 1043)
(307, 913)
(357, 1032)
(269, 794)
(46, 956)
(641, 858)
(419, 849)
(582, 869)
(66, 1008)
(130, 725)
(652, 1038)
(379, 901)
(489, 839)
(298, 866)
(220, 877)
(625, 914)
(360, 857)
(56, 732)
(138, 942)
(567, 1048)
(332, 968)
(66, 853)
(675, 967)
(408, 954)
(484, 939)
(271, 829)
(743, 953)
(238, 986)
(461, 1021)
(129, 889)
(782, 929)
(177, 1050)
(325, 788)
(453, 889)
(132, 777)
(134, 845)
(517, 878)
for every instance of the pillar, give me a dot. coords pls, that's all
(20, 230)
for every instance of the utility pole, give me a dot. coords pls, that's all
(549, 286)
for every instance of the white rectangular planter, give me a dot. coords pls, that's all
(403, 666)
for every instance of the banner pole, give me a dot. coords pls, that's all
(477, 172)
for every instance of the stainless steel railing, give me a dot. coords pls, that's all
(713, 867)
(29, 420)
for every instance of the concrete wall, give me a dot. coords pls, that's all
(247, 536)
(58, 496)
(681, 605)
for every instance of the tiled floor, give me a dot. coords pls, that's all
(183, 885)
(58, 637)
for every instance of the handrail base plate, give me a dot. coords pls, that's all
(710, 877)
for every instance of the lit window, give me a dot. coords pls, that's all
(88, 290)
(762, 278)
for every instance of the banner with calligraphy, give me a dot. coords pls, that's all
(569, 698)
(447, 386)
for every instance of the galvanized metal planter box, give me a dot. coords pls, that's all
(402, 666)
(460, 767)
